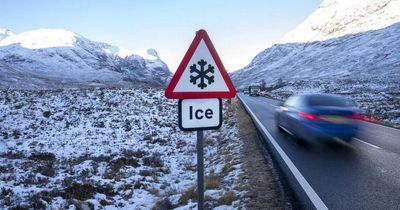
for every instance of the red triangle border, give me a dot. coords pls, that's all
(200, 35)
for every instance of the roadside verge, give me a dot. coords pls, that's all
(259, 176)
(303, 190)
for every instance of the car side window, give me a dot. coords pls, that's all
(294, 102)
(298, 102)
(290, 102)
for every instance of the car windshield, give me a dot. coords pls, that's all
(325, 100)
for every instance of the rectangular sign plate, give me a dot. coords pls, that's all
(199, 114)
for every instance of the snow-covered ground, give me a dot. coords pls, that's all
(109, 148)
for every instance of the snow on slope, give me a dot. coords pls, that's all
(349, 46)
(107, 149)
(5, 33)
(42, 38)
(335, 18)
(60, 58)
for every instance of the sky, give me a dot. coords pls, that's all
(239, 30)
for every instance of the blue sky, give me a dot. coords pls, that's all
(238, 29)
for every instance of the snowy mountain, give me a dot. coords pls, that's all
(344, 47)
(58, 58)
(5, 33)
(336, 18)
(343, 39)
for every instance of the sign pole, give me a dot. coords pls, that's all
(200, 171)
(199, 83)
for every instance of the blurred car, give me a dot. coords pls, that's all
(246, 91)
(318, 116)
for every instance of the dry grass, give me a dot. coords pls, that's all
(227, 198)
(209, 142)
(163, 204)
(189, 165)
(228, 167)
(154, 190)
(269, 194)
(213, 181)
(189, 194)
(147, 172)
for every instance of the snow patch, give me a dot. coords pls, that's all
(42, 38)
(335, 18)
(146, 53)
(5, 33)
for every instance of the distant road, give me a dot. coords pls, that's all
(362, 174)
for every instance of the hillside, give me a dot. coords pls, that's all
(348, 48)
(55, 58)
(109, 148)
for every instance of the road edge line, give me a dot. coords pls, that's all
(312, 195)
(369, 144)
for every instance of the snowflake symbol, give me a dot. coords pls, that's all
(202, 74)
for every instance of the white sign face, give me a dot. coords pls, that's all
(201, 74)
(200, 114)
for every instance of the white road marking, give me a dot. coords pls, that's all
(262, 98)
(369, 144)
(286, 130)
(312, 195)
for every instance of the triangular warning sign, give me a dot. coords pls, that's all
(201, 73)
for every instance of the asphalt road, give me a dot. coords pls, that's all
(362, 174)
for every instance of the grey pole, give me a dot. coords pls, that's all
(200, 171)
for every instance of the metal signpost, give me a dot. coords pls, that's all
(200, 82)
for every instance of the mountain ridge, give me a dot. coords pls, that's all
(305, 45)
(66, 59)
(363, 65)
(335, 18)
